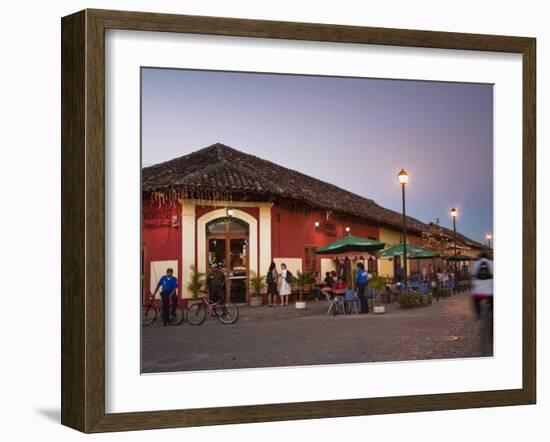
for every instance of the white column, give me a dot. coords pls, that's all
(188, 245)
(265, 238)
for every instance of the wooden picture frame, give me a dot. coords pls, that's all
(83, 220)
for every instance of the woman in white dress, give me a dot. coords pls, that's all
(284, 286)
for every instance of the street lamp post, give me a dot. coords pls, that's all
(489, 240)
(454, 213)
(403, 178)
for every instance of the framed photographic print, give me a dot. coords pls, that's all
(273, 220)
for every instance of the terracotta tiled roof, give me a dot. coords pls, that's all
(222, 170)
(449, 234)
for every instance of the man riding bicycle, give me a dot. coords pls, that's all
(482, 283)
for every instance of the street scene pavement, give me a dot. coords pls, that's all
(283, 336)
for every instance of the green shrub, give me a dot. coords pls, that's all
(441, 292)
(412, 300)
(377, 283)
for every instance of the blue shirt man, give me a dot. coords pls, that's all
(362, 279)
(169, 284)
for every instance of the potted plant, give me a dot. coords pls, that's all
(377, 283)
(256, 283)
(302, 280)
(196, 283)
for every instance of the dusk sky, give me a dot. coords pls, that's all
(356, 133)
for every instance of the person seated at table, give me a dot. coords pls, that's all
(334, 277)
(415, 278)
(329, 284)
(329, 280)
(337, 291)
(340, 286)
(316, 289)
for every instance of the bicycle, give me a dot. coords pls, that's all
(227, 313)
(150, 312)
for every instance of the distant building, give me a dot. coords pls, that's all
(220, 205)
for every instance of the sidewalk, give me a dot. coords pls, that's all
(320, 307)
(313, 308)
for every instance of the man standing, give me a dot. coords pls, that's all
(167, 285)
(216, 284)
(362, 279)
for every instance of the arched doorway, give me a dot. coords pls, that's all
(227, 245)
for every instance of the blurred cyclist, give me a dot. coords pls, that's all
(482, 284)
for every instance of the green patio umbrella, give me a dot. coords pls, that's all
(423, 253)
(412, 252)
(351, 244)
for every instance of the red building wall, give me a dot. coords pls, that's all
(292, 230)
(161, 237)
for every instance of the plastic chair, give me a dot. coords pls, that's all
(333, 304)
(350, 297)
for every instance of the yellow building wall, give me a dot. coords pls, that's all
(392, 238)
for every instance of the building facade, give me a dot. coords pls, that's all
(219, 206)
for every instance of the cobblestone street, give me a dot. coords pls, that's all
(283, 336)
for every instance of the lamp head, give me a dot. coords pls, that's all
(403, 177)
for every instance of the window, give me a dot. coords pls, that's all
(372, 266)
(226, 225)
(309, 259)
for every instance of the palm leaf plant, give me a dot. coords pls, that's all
(196, 282)
(257, 283)
(302, 280)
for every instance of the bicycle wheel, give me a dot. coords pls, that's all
(148, 315)
(228, 313)
(196, 314)
(176, 316)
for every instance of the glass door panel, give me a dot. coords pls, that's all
(238, 269)
(216, 253)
